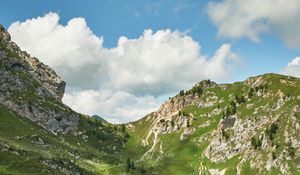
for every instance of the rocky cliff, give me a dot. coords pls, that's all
(20, 60)
(32, 89)
(41, 135)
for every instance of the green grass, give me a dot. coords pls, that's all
(19, 134)
(185, 157)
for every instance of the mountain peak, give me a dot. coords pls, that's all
(4, 34)
(32, 89)
(13, 57)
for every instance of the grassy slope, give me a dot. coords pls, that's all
(96, 148)
(20, 153)
(185, 157)
(102, 152)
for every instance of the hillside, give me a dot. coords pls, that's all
(249, 127)
(39, 134)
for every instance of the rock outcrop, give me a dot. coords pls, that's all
(32, 89)
(17, 59)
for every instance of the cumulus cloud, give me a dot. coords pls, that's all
(249, 18)
(164, 61)
(125, 82)
(293, 68)
(117, 106)
(73, 50)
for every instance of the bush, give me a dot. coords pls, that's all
(172, 123)
(250, 93)
(273, 155)
(123, 128)
(256, 143)
(230, 110)
(225, 134)
(188, 124)
(240, 99)
(291, 150)
(272, 130)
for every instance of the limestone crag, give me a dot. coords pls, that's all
(18, 59)
(168, 118)
(32, 89)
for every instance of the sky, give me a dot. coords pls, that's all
(122, 59)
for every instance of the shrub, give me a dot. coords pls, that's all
(172, 123)
(256, 143)
(188, 124)
(225, 134)
(240, 99)
(291, 150)
(123, 128)
(272, 130)
(250, 93)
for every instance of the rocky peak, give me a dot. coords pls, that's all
(4, 34)
(32, 89)
(16, 58)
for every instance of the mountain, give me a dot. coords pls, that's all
(39, 134)
(249, 127)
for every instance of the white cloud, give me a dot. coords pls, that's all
(162, 62)
(249, 18)
(117, 106)
(73, 50)
(293, 68)
(124, 82)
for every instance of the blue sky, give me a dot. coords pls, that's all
(112, 19)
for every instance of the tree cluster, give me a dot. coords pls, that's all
(253, 90)
(181, 93)
(195, 90)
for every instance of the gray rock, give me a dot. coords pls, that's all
(32, 89)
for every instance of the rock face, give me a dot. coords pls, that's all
(20, 60)
(32, 89)
(169, 117)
